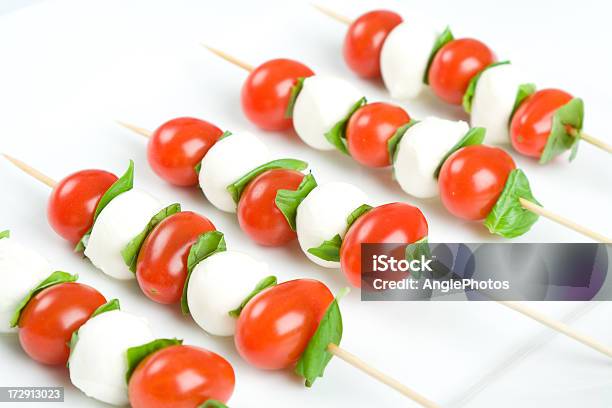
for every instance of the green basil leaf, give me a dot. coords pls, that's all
(523, 92)
(441, 41)
(224, 135)
(5, 234)
(356, 213)
(288, 201)
(468, 97)
(337, 134)
(328, 250)
(55, 278)
(132, 249)
(394, 140)
(107, 307)
(415, 250)
(198, 167)
(316, 356)
(123, 184)
(136, 354)
(508, 218)
(565, 132)
(265, 283)
(295, 91)
(474, 136)
(207, 244)
(211, 403)
(236, 188)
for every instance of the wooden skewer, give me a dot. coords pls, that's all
(31, 171)
(537, 209)
(558, 326)
(141, 131)
(338, 17)
(229, 58)
(383, 378)
(596, 142)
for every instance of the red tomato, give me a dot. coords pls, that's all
(369, 130)
(177, 146)
(258, 215)
(389, 223)
(47, 322)
(180, 377)
(162, 262)
(72, 203)
(364, 40)
(454, 66)
(532, 121)
(266, 92)
(276, 325)
(472, 179)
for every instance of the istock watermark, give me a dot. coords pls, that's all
(499, 271)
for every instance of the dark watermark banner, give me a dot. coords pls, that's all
(486, 271)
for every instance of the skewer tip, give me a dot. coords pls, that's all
(43, 178)
(229, 58)
(330, 13)
(134, 128)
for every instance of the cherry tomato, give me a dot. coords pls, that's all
(472, 179)
(532, 121)
(161, 268)
(276, 325)
(369, 130)
(364, 40)
(258, 215)
(47, 322)
(454, 66)
(389, 223)
(180, 377)
(266, 92)
(177, 146)
(72, 203)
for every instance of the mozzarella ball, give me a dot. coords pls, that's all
(218, 285)
(226, 161)
(404, 57)
(493, 102)
(322, 102)
(119, 222)
(420, 151)
(323, 214)
(21, 270)
(98, 362)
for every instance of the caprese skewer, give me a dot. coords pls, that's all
(111, 355)
(464, 71)
(275, 202)
(178, 257)
(328, 113)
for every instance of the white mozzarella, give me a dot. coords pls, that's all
(218, 285)
(494, 100)
(98, 361)
(404, 57)
(226, 161)
(21, 269)
(420, 151)
(323, 214)
(322, 102)
(118, 223)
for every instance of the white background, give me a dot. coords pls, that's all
(69, 68)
